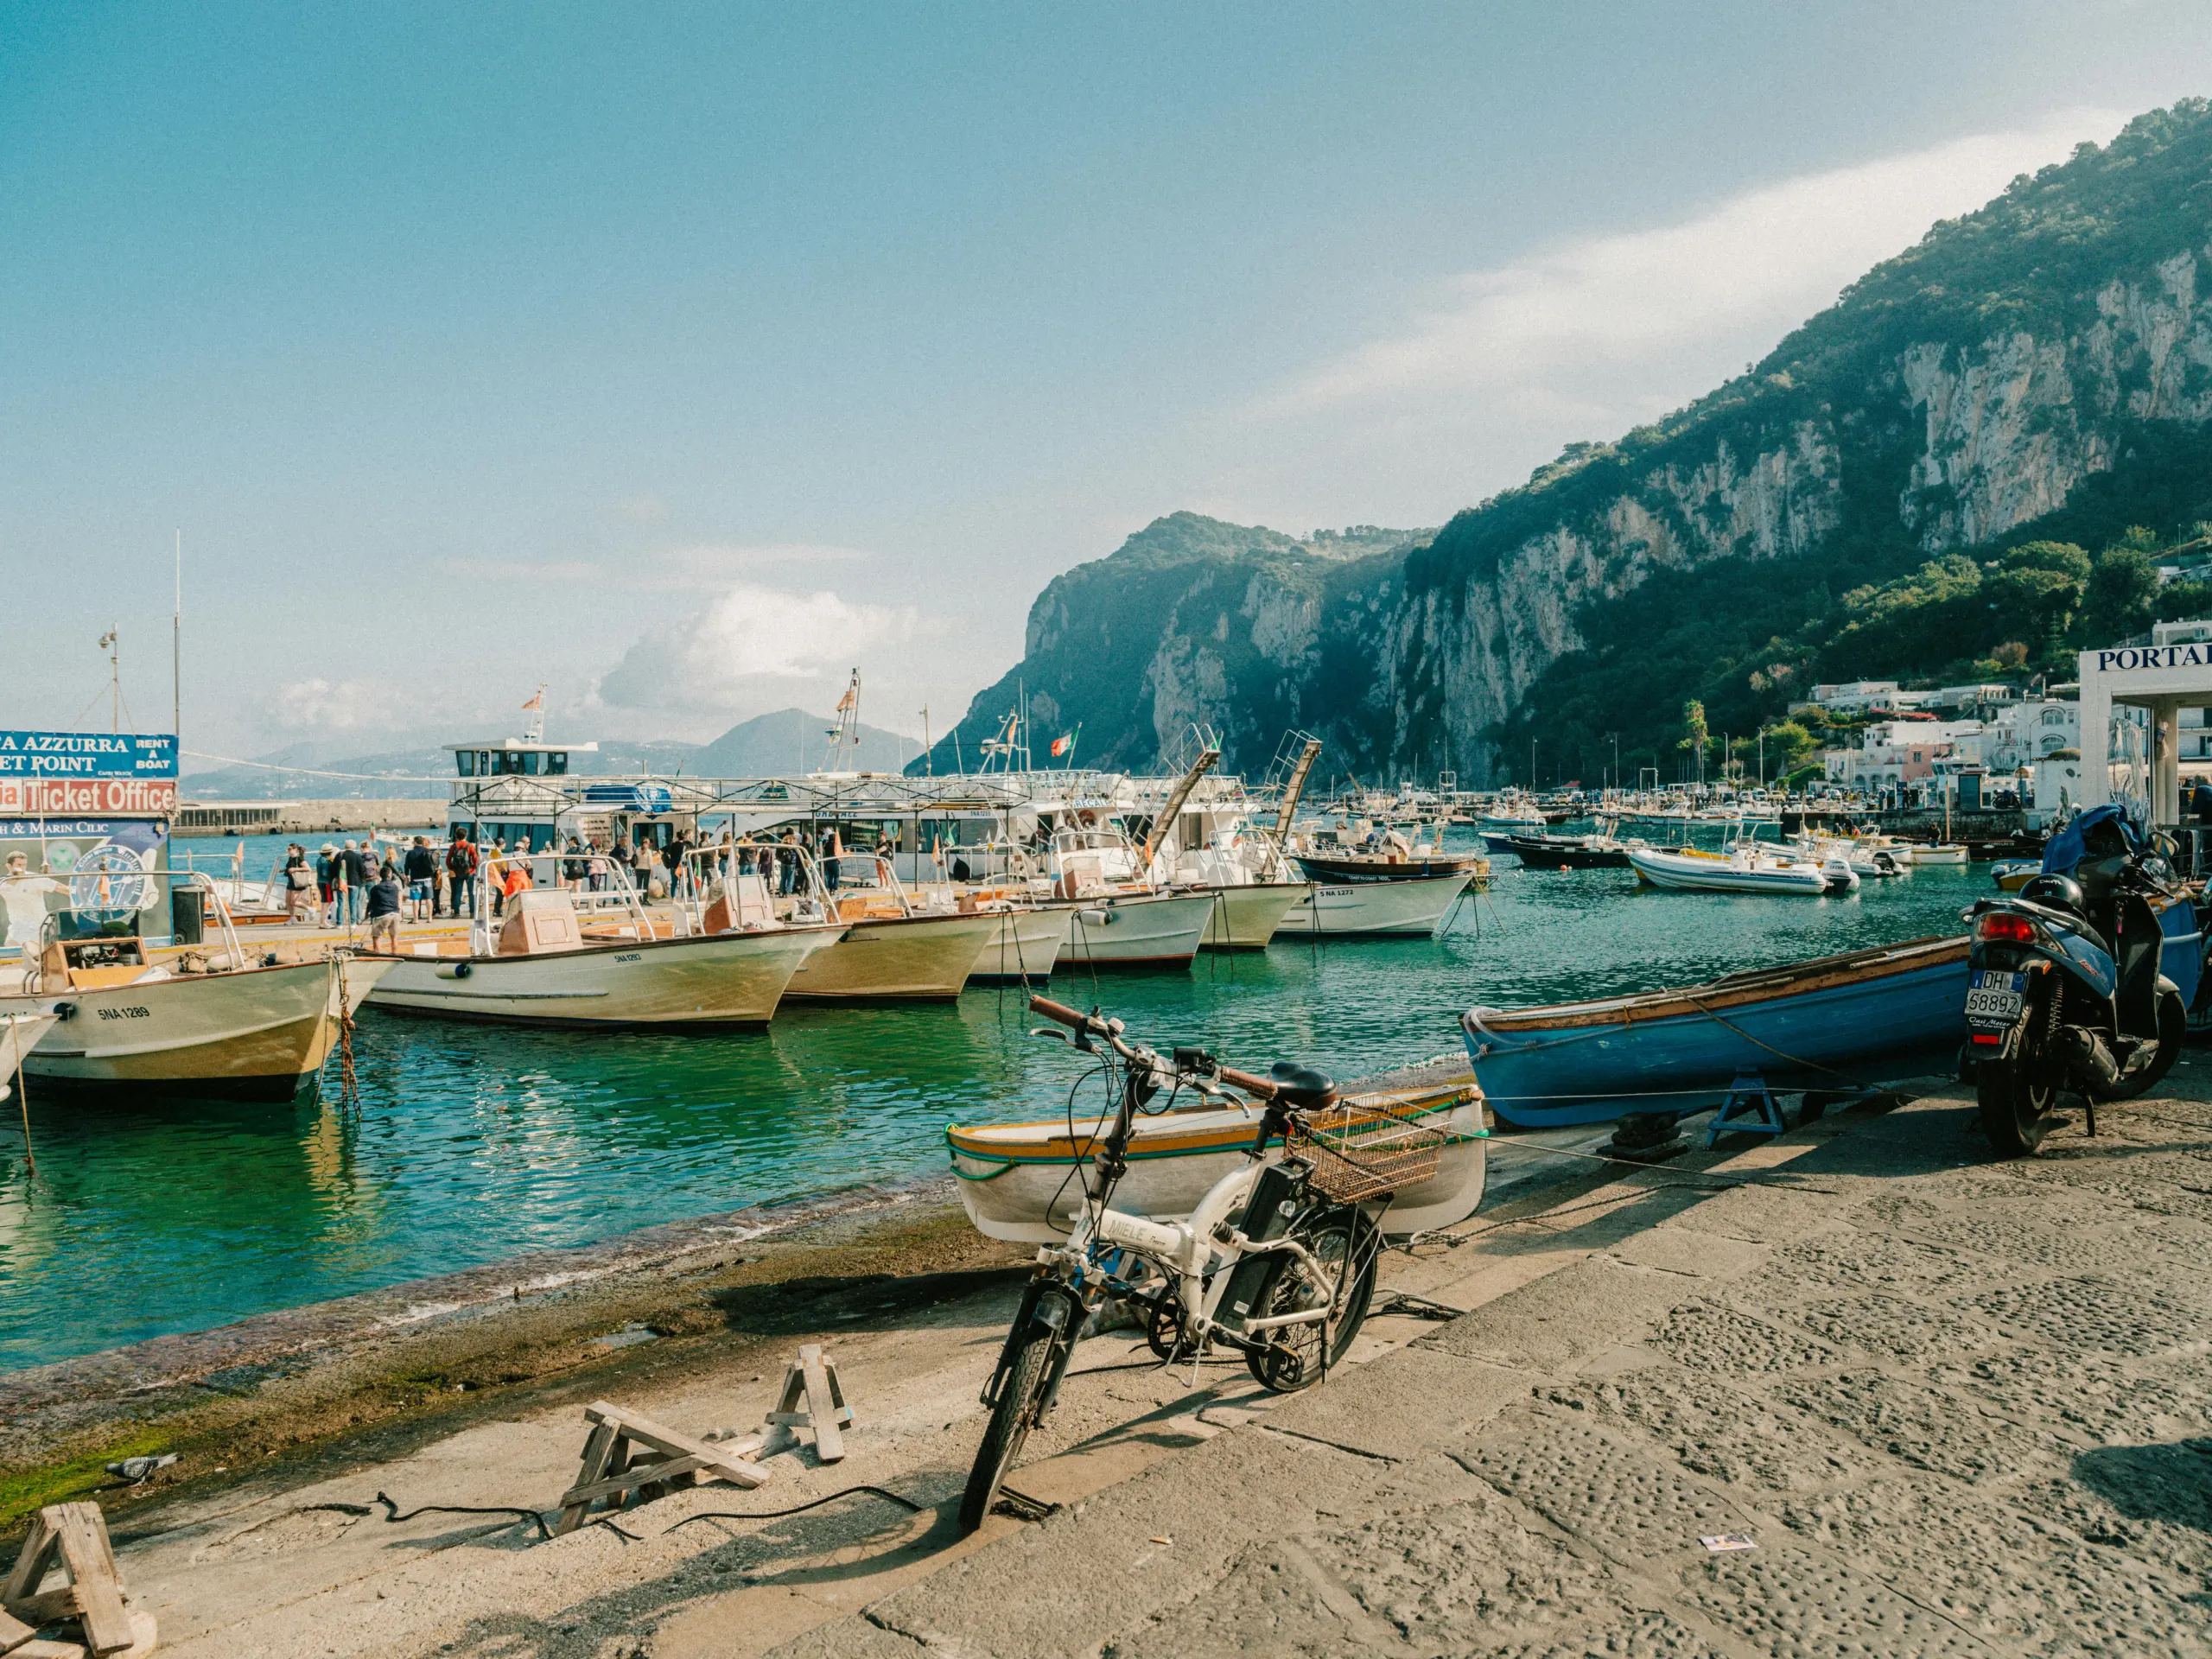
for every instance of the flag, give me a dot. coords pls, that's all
(1062, 744)
(535, 703)
(850, 701)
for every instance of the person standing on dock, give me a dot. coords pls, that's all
(461, 870)
(421, 872)
(360, 870)
(298, 884)
(382, 899)
(329, 878)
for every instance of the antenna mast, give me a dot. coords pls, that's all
(109, 644)
(177, 656)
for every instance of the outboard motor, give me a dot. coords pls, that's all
(2080, 982)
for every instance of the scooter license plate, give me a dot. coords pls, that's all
(1995, 998)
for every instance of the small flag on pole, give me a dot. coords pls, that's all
(1062, 744)
(535, 703)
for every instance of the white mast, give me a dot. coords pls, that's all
(177, 656)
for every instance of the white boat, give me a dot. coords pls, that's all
(1250, 914)
(186, 1023)
(1136, 930)
(1025, 946)
(1015, 1178)
(1417, 906)
(891, 951)
(19, 1033)
(1873, 861)
(1744, 869)
(1941, 853)
(551, 964)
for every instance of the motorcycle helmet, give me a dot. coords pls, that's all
(2055, 892)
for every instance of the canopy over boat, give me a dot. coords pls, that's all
(1835, 1022)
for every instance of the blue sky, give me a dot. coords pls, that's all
(683, 358)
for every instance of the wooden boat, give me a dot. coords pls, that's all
(19, 1033)
(2016, 874)
(200, 1024)
(1560, 852)
(1869, 1016)
(1136, 930)
(1249, 914)
(1018, 1180)
(1025, 946)
(1416, 905)
(1344, 868)
(563, 958)
(1745, 869)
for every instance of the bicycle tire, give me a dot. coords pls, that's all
(1010, 1421)
(1339, 1232)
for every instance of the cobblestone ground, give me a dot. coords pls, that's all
(1958, 1407)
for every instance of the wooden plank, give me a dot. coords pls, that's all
(14, 1633)
(829, 1441)
(91, 1566)
(727, 1464)
(44, 1606)
(32, 1560)
(598, 1450)
(803, 1419)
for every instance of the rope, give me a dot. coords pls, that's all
(23, 1100)
(908, 1503)
(349, 1084)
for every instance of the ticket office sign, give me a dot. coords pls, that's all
(87, 754)
(87, 797)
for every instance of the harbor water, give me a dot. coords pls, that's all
(476, 1143)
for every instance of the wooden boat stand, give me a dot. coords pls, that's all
(668, 1461)
(74, 1537)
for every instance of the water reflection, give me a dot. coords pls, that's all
(474, 1142)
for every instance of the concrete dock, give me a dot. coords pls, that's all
(1955, 1407)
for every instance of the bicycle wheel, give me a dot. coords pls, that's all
(1010, 1421)
(1345, 1244)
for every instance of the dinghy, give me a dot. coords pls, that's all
(1019, 1181)
(1745, 869)
(1835, 1022)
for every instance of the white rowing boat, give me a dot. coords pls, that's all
(1020, 1181)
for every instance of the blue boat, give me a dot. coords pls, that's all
(1835, 1022)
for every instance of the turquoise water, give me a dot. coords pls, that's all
(474, 1143)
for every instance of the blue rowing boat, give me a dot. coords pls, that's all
(1835, 1022)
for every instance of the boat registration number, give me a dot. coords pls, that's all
(1995, 996)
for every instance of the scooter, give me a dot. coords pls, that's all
(2081, 981)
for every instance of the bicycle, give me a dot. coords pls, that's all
(1278, 1260)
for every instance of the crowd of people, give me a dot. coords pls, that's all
(407, 878)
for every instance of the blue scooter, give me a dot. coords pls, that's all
(2082, 981)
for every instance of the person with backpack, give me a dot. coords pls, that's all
(422, 871)
(460, 865)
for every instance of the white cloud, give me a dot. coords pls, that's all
(731, 649)
(703, 565)
(1492, 370)
(317, 706)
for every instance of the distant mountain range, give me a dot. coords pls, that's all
(789, 741)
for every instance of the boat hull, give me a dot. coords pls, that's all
(1870, 1017)
(1350, 872)
(721, 980)
(904, 959)
(257, 1035)
(1016, 1178)
(1247, 916)
(1024, 949)
(1138, 930)
(1688, 873)
(1412, 908)
(1554, 852)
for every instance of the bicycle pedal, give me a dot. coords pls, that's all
(1023, 1507)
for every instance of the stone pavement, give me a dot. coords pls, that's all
(1960, 1407)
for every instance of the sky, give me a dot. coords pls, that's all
(685, 359)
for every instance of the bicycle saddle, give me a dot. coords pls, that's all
(1302, 1085)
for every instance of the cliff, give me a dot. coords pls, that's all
(2040, 368)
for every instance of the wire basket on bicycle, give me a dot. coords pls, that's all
(1363, 1148)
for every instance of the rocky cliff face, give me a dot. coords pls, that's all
(1956, 397)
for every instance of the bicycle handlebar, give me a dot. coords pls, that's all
(1258, 1087)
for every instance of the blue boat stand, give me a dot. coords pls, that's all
(1752, 1108)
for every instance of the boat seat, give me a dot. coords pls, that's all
(1302, 1085)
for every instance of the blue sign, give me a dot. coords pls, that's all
(87, 754)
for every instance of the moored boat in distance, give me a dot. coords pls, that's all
(890, 950)
(1414, 904)
(1742, 869)
(1865, 1017)
(1597, 852)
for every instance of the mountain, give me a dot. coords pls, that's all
(766, 746)
(1860, 504)
(1193, 621)
(792, 741)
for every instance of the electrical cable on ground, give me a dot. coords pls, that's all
(799, 1509)
(392, 1514)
